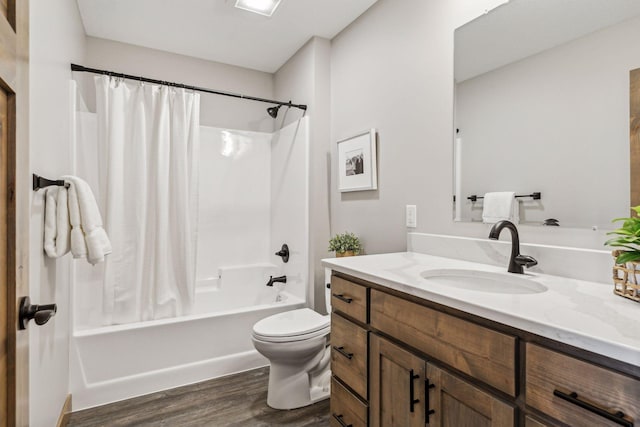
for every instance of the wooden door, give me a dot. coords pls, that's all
(14, 209)
(396, 386)
(456, 403)
(634, 138)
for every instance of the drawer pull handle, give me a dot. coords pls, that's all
(412, 400)
(341, 297)
(339, 419)
(342, 352)
(428, 386)
(610, 414)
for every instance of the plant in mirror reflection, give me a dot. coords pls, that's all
(628, 238)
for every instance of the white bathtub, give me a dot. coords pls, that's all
(119, 362)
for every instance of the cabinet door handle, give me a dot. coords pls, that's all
(339, 419)
(610, 414)
(412, 400)
(342, 352)
(428, 386)
(341, 297)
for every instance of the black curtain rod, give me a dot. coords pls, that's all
(75, 67)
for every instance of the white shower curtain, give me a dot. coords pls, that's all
(148, 143)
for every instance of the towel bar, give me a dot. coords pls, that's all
(41, 182)
(536, 196)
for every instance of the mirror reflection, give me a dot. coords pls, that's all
(542, 106)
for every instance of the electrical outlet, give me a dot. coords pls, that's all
(411, 214)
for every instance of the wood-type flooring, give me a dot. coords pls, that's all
(238, 400)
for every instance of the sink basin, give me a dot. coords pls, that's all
(484, 281)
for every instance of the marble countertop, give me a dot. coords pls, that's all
(583, 314)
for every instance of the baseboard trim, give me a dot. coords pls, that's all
(65, 413)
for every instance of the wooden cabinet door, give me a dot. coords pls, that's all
(396, 386)
(456, 403)
(14, 209)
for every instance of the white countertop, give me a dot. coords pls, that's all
(583, 314)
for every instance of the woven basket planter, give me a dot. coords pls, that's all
(345, 253)
(626, 279)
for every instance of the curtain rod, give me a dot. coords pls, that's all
(75, 67)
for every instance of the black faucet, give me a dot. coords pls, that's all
(272, 280)
(516, 261)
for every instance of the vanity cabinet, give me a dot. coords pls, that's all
(529, 421)
(349, 354)
(407, 391)
(398, 360)
(398, 386)
(577, 392)
(456, 402)
(480, 352)
(346, 408)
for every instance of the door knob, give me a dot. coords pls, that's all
(40, 313)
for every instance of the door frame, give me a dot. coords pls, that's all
(14, 79)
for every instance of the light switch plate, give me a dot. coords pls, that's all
(411, 216)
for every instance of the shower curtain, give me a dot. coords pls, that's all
(148, 143)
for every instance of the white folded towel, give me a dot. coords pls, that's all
(498, 206)
(56, 222)
(88, 238)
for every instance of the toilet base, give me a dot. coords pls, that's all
(289, 388)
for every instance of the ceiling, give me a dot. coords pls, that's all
(217, 31)
(521, 28)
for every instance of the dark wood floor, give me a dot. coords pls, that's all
(238, 400)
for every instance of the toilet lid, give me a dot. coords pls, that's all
(291, 323)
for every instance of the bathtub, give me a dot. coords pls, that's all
(119, 362)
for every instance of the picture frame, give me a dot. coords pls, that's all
(357, 162)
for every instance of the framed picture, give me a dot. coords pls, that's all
(357, 163)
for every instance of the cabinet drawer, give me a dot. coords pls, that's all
(346, 409)
(475, 350)
(552, 377)
(349, 353)
(532, 422)
(349, 298)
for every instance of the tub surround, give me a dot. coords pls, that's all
(583, 314)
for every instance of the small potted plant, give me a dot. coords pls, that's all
(628, 238)
(627, 264)
(345, 244)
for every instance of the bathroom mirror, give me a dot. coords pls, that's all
(542, 105)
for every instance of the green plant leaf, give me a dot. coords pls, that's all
(629, 232)
(630, 256)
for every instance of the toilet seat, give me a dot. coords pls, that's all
(294, 325)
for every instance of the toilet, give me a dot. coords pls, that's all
(296, 343)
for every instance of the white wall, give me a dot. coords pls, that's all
(392, 69)
(305, 79)
(215, 110)
(57, 38)
(547, 122)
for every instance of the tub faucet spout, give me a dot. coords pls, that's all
(280, 279)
